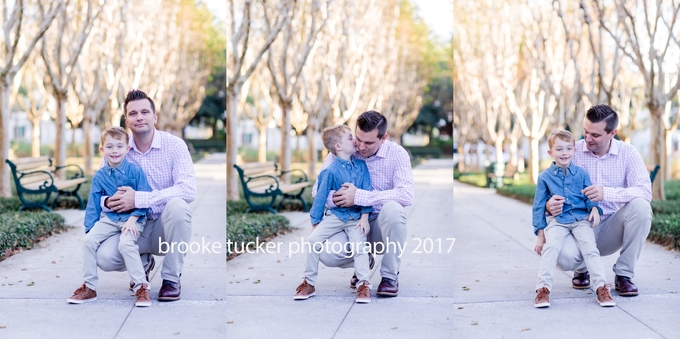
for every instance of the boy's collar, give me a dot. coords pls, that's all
(123, 167)
(557, 169)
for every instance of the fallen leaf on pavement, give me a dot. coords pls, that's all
(474, 323)
(465, 288)
(30, 284)
(526, 329)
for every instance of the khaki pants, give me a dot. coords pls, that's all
(103, 230)
(173, 225)
(389, 225)
(555, 235)
(626, 230)
(330, 225)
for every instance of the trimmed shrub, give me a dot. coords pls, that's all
(523, 192)
(666, 230)
(23, 229)
(244, 228)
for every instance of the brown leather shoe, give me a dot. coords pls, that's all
(371, 262)
(542, 298)
(143, 295)
(152, 264)
(388, 287)
(364, 293)
(581, 281)
(604, 297)
(170, 291)
(625, 287)
(82, 295)
(304, 291)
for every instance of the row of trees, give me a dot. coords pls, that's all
(76, 60)
(308, 64)
(518, 79)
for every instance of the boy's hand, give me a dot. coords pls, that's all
(540, 242)
(130, 226)
(594, 217)
(364, 226)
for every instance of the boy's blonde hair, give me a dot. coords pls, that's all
(115, 132)
(562, 134)
(333, 135)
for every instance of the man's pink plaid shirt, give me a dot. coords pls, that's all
(621, 172)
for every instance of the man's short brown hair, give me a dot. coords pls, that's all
(562, 134)
(134, 95)
(333, 135)
(117, 133)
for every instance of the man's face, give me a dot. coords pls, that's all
(597, 139)
(139, 116)
(114, 150)
(368, 143)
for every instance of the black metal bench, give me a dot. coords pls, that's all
(652, 174)
(263, 180)
(37, 177)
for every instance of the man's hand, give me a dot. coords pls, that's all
(344, 197)
(554, 205)
(123, 200)
(594, 193)
(540, 242)
(131, 226)
(594, 217)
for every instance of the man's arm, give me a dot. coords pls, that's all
(402, 189)
(183, 177)
(142, 185)
(637, 182)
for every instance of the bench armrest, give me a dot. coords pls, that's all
(75, 176)
(44, 185)
(304, 175)
(271, 187)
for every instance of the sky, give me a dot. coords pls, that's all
(437, 14)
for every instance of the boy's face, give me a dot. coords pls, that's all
(114, 150)
(562, 152)
(346, 144)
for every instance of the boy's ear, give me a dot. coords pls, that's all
(550, 153)
(337, 147)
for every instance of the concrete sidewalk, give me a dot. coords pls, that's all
(36, 283)
(496, 271)
(260, 286)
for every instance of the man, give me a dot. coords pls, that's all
(170, 171)
(621, 184)
(389, 166)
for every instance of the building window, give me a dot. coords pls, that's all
(21, 132)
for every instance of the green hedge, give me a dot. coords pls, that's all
(23, 229)
(521, 192)
(244, 228)
(666, 230)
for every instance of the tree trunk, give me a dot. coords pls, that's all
(5, 93)
(89, 146)
(312, 156)
(657, 151)
(232, 148)
(60, 144)
(262, 146)
(499, 149)
(533, 160)
(35, 136)
(521, 166)
(284, 158)
(513, 152)
(74, 150)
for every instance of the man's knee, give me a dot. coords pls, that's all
(177, 208)
(641, 207)
(393, 213)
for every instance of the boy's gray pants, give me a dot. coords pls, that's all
(388, 232)
(104, 229)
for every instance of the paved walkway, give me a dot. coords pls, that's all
(496, 270)
(260, 286)
(35, 284)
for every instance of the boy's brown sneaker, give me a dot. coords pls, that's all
(143, 296)
(304, 291)
(82, 295)
(604, 297)
(364, 293)
(152, 264)
(542, 299)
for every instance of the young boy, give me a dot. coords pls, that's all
(100, 226)
(566, 180)
(353, 220)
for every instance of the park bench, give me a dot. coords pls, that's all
(652, 174)
(37, 177)
(263, 180)
(497, 173)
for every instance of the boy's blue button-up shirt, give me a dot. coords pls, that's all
(106, 182)
(339, 172)
(553, 181)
